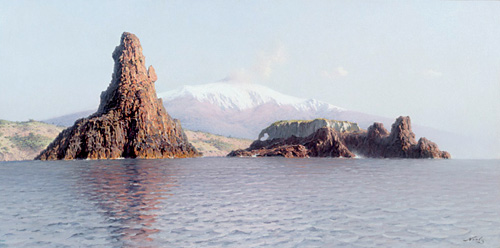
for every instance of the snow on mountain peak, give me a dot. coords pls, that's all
(241, 96)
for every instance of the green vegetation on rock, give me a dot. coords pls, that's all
(220, 144)
(304, 128)
(5, 122)
(32, 141)
(25, 140)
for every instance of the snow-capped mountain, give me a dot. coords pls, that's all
(241, 96)
(243, 109)
(240, 109)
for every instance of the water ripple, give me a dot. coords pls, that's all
(250, 202)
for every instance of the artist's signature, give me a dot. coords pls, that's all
(476, 239)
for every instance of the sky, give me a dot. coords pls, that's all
(436, 61)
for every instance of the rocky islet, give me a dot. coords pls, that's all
(131, 121)
(326, 141)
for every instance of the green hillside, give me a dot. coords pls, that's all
(24, 140)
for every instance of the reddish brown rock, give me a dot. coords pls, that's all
(401, 140)
(377, 142)
(325, 142)
(287, 151)
(428, 149)
(152, 74)
(131, 121)
(399, 143)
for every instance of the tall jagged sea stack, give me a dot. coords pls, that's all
(131, 121)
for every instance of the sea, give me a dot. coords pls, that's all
(250, 202)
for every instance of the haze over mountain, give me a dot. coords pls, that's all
(238, 109)
(232, 108)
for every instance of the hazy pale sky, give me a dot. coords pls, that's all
(437, 61)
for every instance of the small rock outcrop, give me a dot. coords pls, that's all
(377, 142)
(131, 121)
(304, 128)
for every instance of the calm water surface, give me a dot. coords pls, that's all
(250, 202)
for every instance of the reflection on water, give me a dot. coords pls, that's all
(128, 193)
(246, 202)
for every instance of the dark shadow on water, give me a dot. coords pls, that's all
(127, 193)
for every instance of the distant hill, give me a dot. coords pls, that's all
(68, 120)
(212, 145)
(25, 140)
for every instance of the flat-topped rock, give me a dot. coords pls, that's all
(304, 128)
